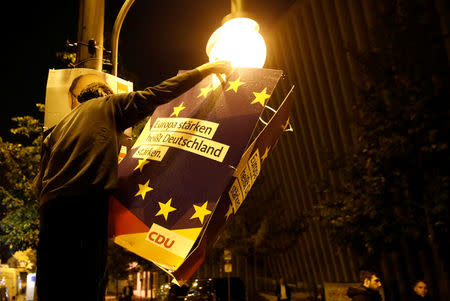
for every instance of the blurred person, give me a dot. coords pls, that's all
(420, 291)
(176, 292)
(369, 289)
(319, 292)
(172, 294)
(78, 172)
(128, 291)
(283, 292)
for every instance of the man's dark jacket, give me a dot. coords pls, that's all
(363, 294)
(79, 156)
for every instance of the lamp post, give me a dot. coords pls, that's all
(115, 33)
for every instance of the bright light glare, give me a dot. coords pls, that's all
(239, 42)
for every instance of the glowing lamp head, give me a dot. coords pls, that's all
(238, 40)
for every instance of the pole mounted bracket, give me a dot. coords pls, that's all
(92, 46)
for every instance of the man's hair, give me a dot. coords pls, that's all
(367, 274)
(417, 282)
(94, 90)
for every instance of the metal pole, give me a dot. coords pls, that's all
(90, 28)
(229, 287)
(237, 6)
(239, 9)
(115, 33)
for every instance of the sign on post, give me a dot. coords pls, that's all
(228, 268)
(227, 255)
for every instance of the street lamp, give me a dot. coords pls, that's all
(116, 31)
(238, 40)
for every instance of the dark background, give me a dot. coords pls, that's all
(157, 39)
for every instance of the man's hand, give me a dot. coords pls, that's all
(215, 67)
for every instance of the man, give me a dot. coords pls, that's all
(369, 289)
(420, 291)
(283, 291)
(128, 291)
(78, 172)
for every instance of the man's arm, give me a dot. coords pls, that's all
(130, 108)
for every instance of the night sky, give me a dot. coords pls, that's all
(157, 39)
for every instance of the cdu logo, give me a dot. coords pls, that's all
(161, 239)
(169, 240)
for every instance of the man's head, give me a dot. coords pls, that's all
(370, 280)
(78, 84)
(420, 288)
(281, 280)
(94, 90)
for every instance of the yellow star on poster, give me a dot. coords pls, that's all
(201, 212)
(204, 91)
(143, 189)
(261, 97)
(165, 209)
(234, 85)
(177, 110)
(141, 164)
(266, 153)
(229, 212)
